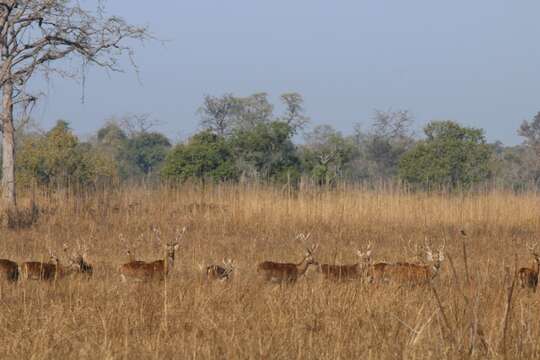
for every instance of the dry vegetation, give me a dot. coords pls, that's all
(476, 315)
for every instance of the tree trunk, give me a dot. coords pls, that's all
(8, 148)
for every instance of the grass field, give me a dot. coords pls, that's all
(460, 316)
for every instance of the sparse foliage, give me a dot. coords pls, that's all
(34, 36)
(530, 131)
(391, 136)
(217, 113)
(294, 114)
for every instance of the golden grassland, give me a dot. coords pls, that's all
(460, 316)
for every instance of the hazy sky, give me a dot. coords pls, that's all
(477, 62)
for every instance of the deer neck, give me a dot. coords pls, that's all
(301, 262)
(169, 262)
(435, 268)
(302, 267)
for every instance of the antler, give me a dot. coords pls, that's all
(180, 233)
(157, 234)
(65, 248)
(532, 247)
(312, 249)
(366, 254)
(303, 237)
(122, 239)
(428, 251)
(413, 249)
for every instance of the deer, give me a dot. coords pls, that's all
(408, 273)
(528, 277)
(218, 272)
(138, 270)
(9, 270)
(277, 272)
(52, 270)
(347, 272)
(78, 258)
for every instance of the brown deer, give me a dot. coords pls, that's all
(347, 272)
(9, 270)
(287, 272)
(218, 272)
(155, 270)
(53, 270)
(78, 258)
(528, 277)
(408, 273)
(83, 267)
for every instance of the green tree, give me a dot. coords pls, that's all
(145, 152)
(205, 156)
(266, 151)
(58, 159)
(451, 155)
(112, 136)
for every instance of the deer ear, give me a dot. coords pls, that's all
(368, 253)
(429, 255)
(176, 246)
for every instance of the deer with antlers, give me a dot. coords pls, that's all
(79, 258)
(277, 272)
(528, 277)
(408, 273)
(347, 272)
(138, 270)
(219, 272)
(49, 271)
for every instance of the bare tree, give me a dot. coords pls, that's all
(530, 131)
(251, 111)
(216, 113)
(392, 124)
(294, 111)
(34, 35)
(390, 137)
(135, 124)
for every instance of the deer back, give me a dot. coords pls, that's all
(277, 272)
(34, 270)
(141, 270)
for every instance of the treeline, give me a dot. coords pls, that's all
(243, 139)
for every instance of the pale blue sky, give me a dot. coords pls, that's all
(477, 62)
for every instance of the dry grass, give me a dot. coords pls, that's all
(187, 317)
